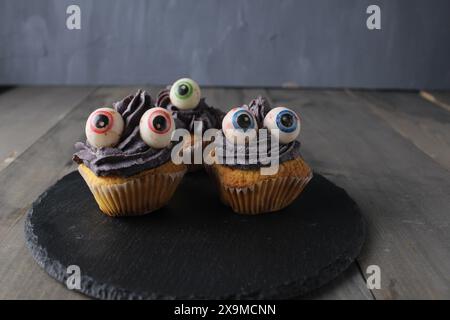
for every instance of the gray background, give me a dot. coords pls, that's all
(321, 43)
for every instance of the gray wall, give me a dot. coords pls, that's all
(311, 43)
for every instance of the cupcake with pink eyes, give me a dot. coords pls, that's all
(126, 159)
(183, 99)
(256, 170)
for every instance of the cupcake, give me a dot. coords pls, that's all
(126, 159)
(259, 171)
(183, 100)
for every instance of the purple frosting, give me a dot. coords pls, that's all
(209, 116)
(259, 107)
(286, 152)
(131, 155)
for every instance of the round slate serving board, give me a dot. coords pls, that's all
(195, 247)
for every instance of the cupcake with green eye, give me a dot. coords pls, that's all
(183, 99)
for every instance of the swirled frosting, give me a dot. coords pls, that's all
(260, 107)
(131, 155)
(244, 156)
(209, 116)
(241, 155)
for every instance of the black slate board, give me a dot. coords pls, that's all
(195, 247)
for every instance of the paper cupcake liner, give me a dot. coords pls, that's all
(264, 196)
(136, 195)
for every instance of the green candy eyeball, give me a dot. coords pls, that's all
(185, 94)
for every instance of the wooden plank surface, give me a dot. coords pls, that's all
(401, 191)
(28, 112)
(366, 144)
(425, 124)
(222, 98)
(440, 98)
(19, 275)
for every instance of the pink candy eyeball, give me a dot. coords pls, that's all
(156, 127)
(104, 127)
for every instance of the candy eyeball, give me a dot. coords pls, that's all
(239, 125)
(286, 121)
(104, 127)
(185, 94)
(156, 127)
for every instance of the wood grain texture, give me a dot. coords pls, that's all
(28, 112)
(23, 180)
(424, 123)
(21, 277)
(440, 98)
(401, 191)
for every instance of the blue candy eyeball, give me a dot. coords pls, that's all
(239, 125)
(286, 121)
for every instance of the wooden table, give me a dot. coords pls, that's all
(389, 150)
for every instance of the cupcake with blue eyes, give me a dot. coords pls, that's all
(126, 158)
(256, 170)
(183, 99)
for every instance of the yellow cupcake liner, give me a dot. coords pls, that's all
(264, 196)
(136, 195)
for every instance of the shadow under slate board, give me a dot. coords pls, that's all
(195, 247)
